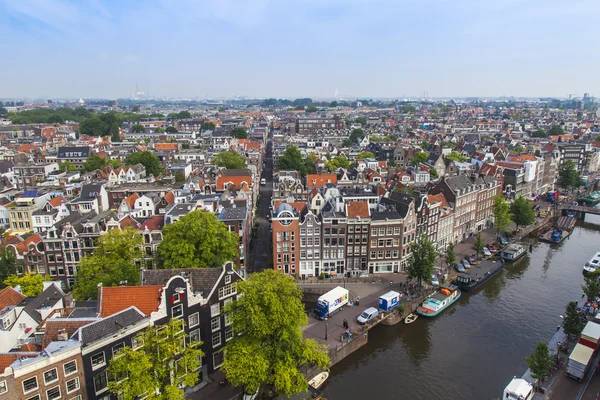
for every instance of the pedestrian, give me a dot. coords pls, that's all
(345, 323)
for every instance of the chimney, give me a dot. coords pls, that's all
(62, 335)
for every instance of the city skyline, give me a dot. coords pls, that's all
(261, 49)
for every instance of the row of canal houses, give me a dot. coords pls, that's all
(55, 348)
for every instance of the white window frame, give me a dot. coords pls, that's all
(137, 338)
(217, 324)
(215, 309)
(197, 316)
(65, 370)
(37, 385)
(212, 339)
(194, 332)
(3, 387)
(178, 306)
(98, 365)
(228, 334)
(54, 398)
(227, 279)
(114, 352)
(76, 379)
(94, 383)
(46, 382)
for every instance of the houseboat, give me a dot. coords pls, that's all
(513, 252)
(439, 301)
(477, 276)
(555, 236)
(592, 265)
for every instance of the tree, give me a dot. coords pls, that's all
(115, 133)
(197, 240)
(239, 133)
(32, 284)
(171, 129)
(8, 264)
(347, 143)
(556, 130)
(456, 156)
(422, 259)
(3, 112)
(179, 176)
(167, 363)
(568, 176)
(137, 128)
(114, 162)
(478, 245)
(407, 108)
(356, 135)
(591, 287)
(291, 159)
(311, 108)
(450, 257)
(502, 215)
(299, 107)
(339, 162)
(148, 160)
(112, 263)
(271, 350)
(365, 154)
(572, 324)
(94, 162)
(207, 126)
(539, 361)
(420, 157)
(540, 133)
(67, 166)
(522, 213)
(433, 173)
(518, 149)
(229, 159)
(93, 127)
(184, 114)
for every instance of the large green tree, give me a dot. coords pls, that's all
(450, 256)
(455, 156)
(356, 135)
(149, 160)
(112, 263)
(31, 283)
(197, 240)
(502, 215)
(572, 324)
(539, 361)
(8, 263)
(478, 245)
(165, 362)
(207, 126)
(522, 213)
(94, 162)
(239, 133)
(420, 157)
(339, 162)
(556, 130)
(422, 259)
(115, 134)
(268, 349)
(568, 176)
(365, 154)
(591, 287)
(137, 128)
(93, 127)
(171, 129)
(67, 166)
(292, 159)
(229, 159)
(540, 133)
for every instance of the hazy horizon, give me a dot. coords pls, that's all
(299, 48)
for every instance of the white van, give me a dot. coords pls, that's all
(263, 182)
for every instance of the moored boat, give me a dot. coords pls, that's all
(555, 236)
(477, 276)
(439, 301)
(513, 252)
(410, 318)
(319, 380)
(593, 264)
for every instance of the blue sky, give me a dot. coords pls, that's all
(298, 48)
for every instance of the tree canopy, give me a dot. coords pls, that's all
(197, 240)
(422, 259)
(433, 173)
(540, 133)
(67, 166)
(167, 362)
(365, 154)
(568, 176)
(292, 159)
(239, 133)
(207, 126)
(112, 263)
(539, 361)
(478, 245)
(456, 156)
(339, 162)
(137, 128)
(450, 257)
(556, 130)
(171, 129)
(502, 215)
(271, 351)
(522, 213)
(31, 283)
(572, 324)
(420, 157)
(8, 264)
(356, 135)
(149, 160)
(229, 159)
(591, 286)
(94, 162)
(180, 115)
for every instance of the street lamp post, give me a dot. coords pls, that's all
(325, 329)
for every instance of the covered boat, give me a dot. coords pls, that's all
(439, 301)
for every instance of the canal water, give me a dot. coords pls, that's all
(473, 349)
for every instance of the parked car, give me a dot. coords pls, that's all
(466, 263)
(502, 240)
(536, 207)
(492, 248)
(459, 267)
(263, 182)
(473, 260)
(486, 252)
(368, 315)
(434, 280)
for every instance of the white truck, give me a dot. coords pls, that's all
(579, 361)
(331, 302)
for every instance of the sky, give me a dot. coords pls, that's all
(299, 48)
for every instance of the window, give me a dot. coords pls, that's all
(216, 339)
(70, 367)
(116, 348)
(76, 398)
(30, 384)
(98, 360)
(215, 324)
(177, 311)
(227, 290)
(53, 393)
(227, 278)
(193, 320)
(100, 382)
(228, 334)
(3, 387)
(137, 342)
(176, 298)
(36, 397)
(50, 376)
(218, 359)
(72, 385)
(195, 335)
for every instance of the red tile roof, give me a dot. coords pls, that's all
(57, 201)
(54, 326)
(129, 221)
(166, 146)
(358, 209)
(7, 359)
(320, 180)
(10, 297)
(154, 223)
(24, 245)
(117, 298)
(130, 200)
(169, 198)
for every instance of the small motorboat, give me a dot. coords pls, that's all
(410, 318)
(318, 380)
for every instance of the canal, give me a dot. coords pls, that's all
(472, 350)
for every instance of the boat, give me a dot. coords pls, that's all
(439, 301)
(592, 265)
(319, 380)
(410, 318)
(555, 236)
(513, 252)
(478, 275)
